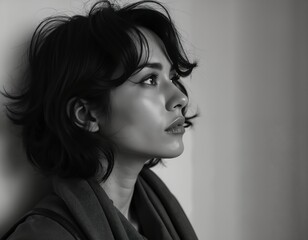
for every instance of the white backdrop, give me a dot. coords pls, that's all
(244, 172)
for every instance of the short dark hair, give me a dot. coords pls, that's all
(75, 58)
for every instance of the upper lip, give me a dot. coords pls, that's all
(179, 121)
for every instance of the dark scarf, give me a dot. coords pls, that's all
(158, 212)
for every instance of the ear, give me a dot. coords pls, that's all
(79, 111)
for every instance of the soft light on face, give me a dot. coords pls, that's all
(144, 106)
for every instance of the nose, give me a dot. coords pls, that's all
(175, 98)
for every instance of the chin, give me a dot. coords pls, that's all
(173, 153)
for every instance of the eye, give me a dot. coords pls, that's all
(175, 78)
(150, 80)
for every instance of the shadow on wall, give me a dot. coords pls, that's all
(20, 185)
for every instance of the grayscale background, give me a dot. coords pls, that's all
(244, 172)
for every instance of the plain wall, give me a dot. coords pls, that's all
(250, 148)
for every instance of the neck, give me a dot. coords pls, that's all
(120, 184)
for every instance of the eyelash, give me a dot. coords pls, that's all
(175, 79)
(151, 77)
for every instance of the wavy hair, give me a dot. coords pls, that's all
(75, 58)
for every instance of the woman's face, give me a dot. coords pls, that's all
(146, 119)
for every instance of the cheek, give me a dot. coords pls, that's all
(138, 115)
(146, 113)
(138, 123)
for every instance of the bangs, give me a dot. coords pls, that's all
(126, 45)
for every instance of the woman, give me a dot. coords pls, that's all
(103, 102)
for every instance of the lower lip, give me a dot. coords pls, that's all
(176, 130)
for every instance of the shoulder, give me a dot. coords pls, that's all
(49, 220)
(40, 227)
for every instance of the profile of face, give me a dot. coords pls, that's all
(146, 111)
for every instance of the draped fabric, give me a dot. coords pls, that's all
(158, 212)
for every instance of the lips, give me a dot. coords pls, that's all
(177, 126)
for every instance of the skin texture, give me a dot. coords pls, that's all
(142, 108)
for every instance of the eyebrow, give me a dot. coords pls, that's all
(154, 65)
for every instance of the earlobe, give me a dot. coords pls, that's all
(93, 127)
(83, 117)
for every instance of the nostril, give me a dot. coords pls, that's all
(178, 106)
